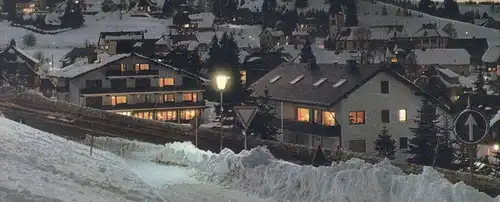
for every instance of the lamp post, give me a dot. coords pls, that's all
(221, 81)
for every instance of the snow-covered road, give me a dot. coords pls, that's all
(177, 184)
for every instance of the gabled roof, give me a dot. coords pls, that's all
(296, 83)
(21, 53)
(78, 69)
(123, 35)
(272, 32)
(79, 52)
(442, 56)
(429, 30)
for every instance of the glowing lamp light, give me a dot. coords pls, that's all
(496, 147)
(221, 81)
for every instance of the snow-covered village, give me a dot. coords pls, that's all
(250, 100)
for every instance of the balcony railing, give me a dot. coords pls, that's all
(149, 105)
(132, 73)
(139, 89)
(310, 128)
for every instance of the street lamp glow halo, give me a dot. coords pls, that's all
(496, 147)
(221, 81)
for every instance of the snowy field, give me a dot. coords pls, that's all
(37, 166)
(480, 8)
(259, 173)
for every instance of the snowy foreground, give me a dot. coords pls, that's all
(37, 166)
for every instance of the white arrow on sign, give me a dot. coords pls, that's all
(471, 122)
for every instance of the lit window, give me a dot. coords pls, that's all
(243, 75)
(123, 67)
(186, 25)
(141, 67)
(328, 118)
(166, 82)
(144, 115)
(188, 114)
(190, 97)
(394, 60)
(303, 115)
(116, 100)
(166, 115)
(169, 98)
(402, 115)
(357, 117)
(125, 113)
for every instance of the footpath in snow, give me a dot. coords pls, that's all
(259, 173)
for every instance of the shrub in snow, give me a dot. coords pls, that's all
(29, 40)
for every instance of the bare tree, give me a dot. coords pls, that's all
(450, 30)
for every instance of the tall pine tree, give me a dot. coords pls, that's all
(236, 92)
(479, 83)
(450, 9)
(306, 54)
(262, 125)
(73, 16)
(426, 6)
(385, 145)
(423, 144)
(214, 53)
(351, 15)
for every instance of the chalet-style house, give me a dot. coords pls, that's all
(88, 54)
(457, 60)
(119, 42)
(359, 38)
(491, 58)
(19, 68)
(428, 36)
(133, 85)
(270, 38)
(327, 105)
(203, 22)
(307, 25)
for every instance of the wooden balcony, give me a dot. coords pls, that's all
(118, 73)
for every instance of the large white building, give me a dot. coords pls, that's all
(328, 104)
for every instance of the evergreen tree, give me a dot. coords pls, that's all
(73, 16)
(423, 144)
(167, 8)
(451, 9)
(10, 7)
(485, 15)
(230, 49)
(319, 158)
(446, 153)
(301, 3)
(181, 19)
(262, 124)
(289, 22)
(426, 6)
(479, 83)
(351, 15)
(194, 62)
(450, 30)
(306, 54)
(384, 10)
(214, 53)
(385, 145)
(335, 7)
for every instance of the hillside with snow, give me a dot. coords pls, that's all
(258, 172)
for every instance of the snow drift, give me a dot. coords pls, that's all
(258, 172)
(37, 166)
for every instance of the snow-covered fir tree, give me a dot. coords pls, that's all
(262, 124)
(385, 145)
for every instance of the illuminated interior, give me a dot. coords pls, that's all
(357, 117)
(243, 75)
(141, 67)
(116, 100)
(303, 115)
(166, 82)
(188, 114)
(190, 97)
(166, 115)
(144, 115)
(328, 118)
(402, 116)
(169, 98)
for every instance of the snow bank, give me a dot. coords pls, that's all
(258, 172)
(37, 166)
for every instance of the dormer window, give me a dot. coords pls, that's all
(319, 82)
(141, 67)
(274, 79)
(339, 83)
(294, 81)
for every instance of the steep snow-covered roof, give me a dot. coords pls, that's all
(204, 20)
(376, 33)
(29, 57)
(78, 69)
(322, 56)
(442, 56)
(492, 53)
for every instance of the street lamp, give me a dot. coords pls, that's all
(496, 147)
(221, 82)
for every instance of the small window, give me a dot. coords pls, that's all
(169, 98)
(117, 100)
(385, 116)
(243, 77)
(402, 116)
(190, 97)
(328, 118)
(166, 115)
(339, 83)
(125, 113)
(123, 67)
(403, 143)
(319, 82)
(384, 87)
(303, 115)
(163, 82)
(294, 81)
(141, 67)
(356, 117)
(276, 78)
(188, 114)
(144, 115)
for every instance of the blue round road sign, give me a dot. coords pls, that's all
(470, 126)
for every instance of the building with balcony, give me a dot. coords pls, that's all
(343, 105)
(133, 85)
(19, 68)
(119, 42)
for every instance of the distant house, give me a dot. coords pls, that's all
(358, 38)
(491, 58)
(204, 21)
(19, 68)
(169, 42)
(326, 104)
(30, 6)
(475, 46)
(337, 23)
(428, 36)
(133, 85)
(307, 25)
(147, 6)
(88, 54)
(458, 60)
(270, 38)
(119, 42)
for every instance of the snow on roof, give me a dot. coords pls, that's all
(48, 53)
(253, 59)
(78, 69)
(204, 20)
(376, 33)
(26, 55)
(448, 72)
(442, 56)
(205, 37)
(253, 5)
(492, 53)
(322, 56)
(124, 37)
(467, 81)
(495, 119)
(57, 169)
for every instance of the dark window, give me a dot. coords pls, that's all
(403, 143)
(357, 146)
(384, 87)
(118, 83)
(385, 116)
(143, 83)
(96, 84)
